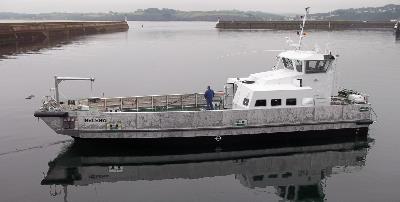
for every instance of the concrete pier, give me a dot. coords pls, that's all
(32, 32)
(310, 25)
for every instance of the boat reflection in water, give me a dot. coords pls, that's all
(296, 172)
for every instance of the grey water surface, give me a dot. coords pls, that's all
(185, 57)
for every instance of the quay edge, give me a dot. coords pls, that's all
(311, 25)
(32, 32)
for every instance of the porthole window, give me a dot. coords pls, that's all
(261, 103)
(245, 101)
(291, 102)
(276, 102)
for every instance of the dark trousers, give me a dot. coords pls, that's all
(210, 105)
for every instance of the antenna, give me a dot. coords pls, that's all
(302, 28)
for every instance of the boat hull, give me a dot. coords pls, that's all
(215, 124)
(231, 141)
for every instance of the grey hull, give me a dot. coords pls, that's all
(88, 124)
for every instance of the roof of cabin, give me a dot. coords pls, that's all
(285, 87)
(272, 75)
(302, 55)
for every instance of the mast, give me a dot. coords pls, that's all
(302, 28)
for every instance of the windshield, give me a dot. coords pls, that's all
(287, 63)
(292, 64)
(299, 65)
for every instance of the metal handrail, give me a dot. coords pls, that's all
(107, 102)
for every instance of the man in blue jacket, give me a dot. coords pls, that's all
(209, 95)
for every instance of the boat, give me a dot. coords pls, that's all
(297, 96)
(296, 172)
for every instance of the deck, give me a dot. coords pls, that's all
(152, 103)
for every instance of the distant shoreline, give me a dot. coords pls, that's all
(384, 13)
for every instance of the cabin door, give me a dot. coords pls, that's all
(229, 93)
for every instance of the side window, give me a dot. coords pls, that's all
(276, 102)
(261, 103)
(317, 66)
(245, 101)
(299, 65)
(291, 102)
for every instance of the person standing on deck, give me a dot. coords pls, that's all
(209, 95)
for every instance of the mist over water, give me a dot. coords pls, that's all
(186, 57)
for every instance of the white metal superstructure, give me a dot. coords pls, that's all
(304, 78)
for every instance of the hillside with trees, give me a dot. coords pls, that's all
(384, 13)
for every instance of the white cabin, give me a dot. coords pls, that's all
(301, 78)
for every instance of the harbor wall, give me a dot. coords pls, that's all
(310, 25)
(11, 33)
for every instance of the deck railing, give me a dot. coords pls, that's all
(173, 102)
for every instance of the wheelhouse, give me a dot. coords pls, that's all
(300, 78)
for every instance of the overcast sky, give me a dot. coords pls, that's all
(273, 6)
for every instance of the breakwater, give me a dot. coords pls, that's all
(310, 25)
(32, 32)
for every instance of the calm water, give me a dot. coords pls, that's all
(176, 57)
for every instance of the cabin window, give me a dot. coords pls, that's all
(299, 65)
(248, 82)
(261, 103)
(258, 178)
(287, 175)
(317, 66)
(276, 102)
(288, 63)
(245, 101)
(291, 102)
